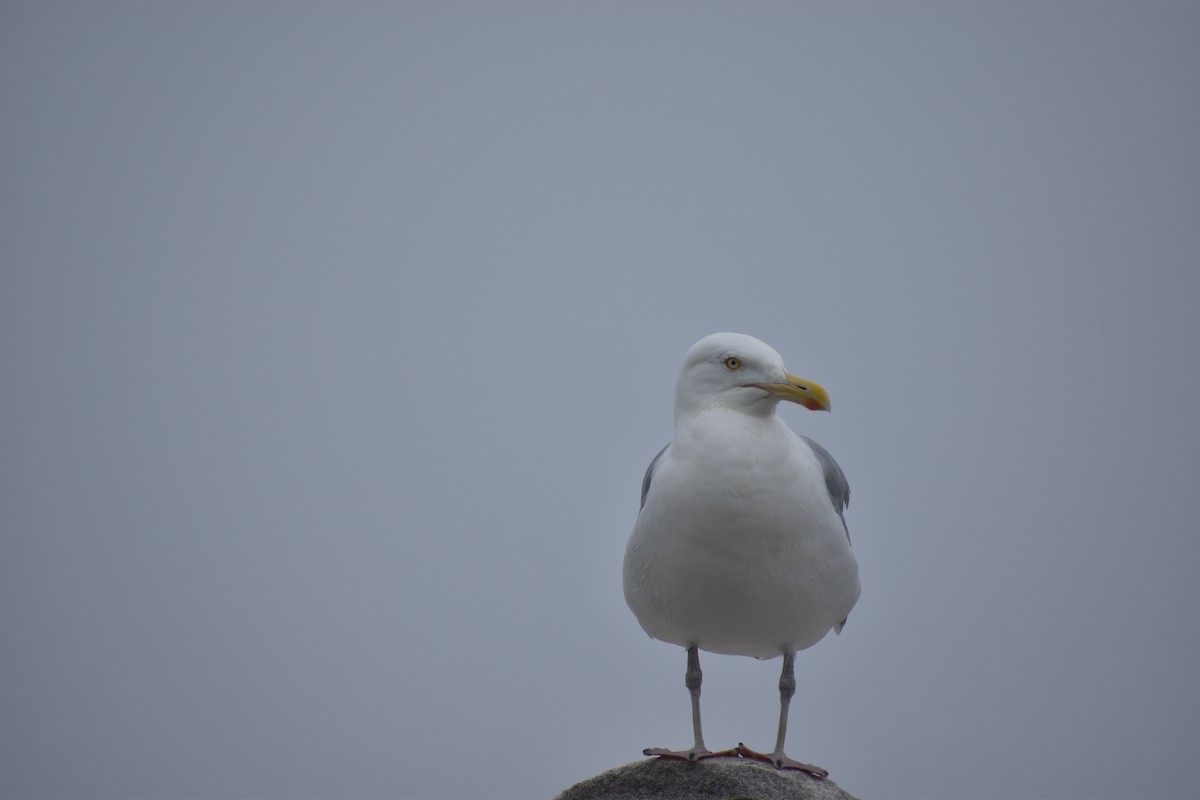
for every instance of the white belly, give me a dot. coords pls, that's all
(740, 553)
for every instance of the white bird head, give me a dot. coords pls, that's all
(733, 370)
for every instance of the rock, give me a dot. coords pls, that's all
(716, 778)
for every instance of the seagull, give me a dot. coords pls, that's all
(741, 546)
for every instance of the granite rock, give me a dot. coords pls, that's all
(713, 778)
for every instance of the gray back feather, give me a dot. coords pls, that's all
(835, 481)
(649, 473)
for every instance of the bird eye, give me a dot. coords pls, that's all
(732, 363)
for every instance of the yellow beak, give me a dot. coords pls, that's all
(795, 389)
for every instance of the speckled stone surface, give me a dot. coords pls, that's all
(715, 778)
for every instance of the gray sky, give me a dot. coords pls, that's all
(335, 340)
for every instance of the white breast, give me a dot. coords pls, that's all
(738, 548)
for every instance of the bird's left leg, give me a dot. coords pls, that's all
(787, 688)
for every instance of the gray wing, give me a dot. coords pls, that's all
(835, 481)
(649, 474)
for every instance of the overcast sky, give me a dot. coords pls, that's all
(335, 339)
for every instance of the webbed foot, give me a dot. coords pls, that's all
(780, 760)
(695, 754)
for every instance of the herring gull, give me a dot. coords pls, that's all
(740, 546)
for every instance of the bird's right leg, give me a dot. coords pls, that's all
(692, 679)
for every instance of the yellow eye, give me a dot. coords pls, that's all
(732, 363)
